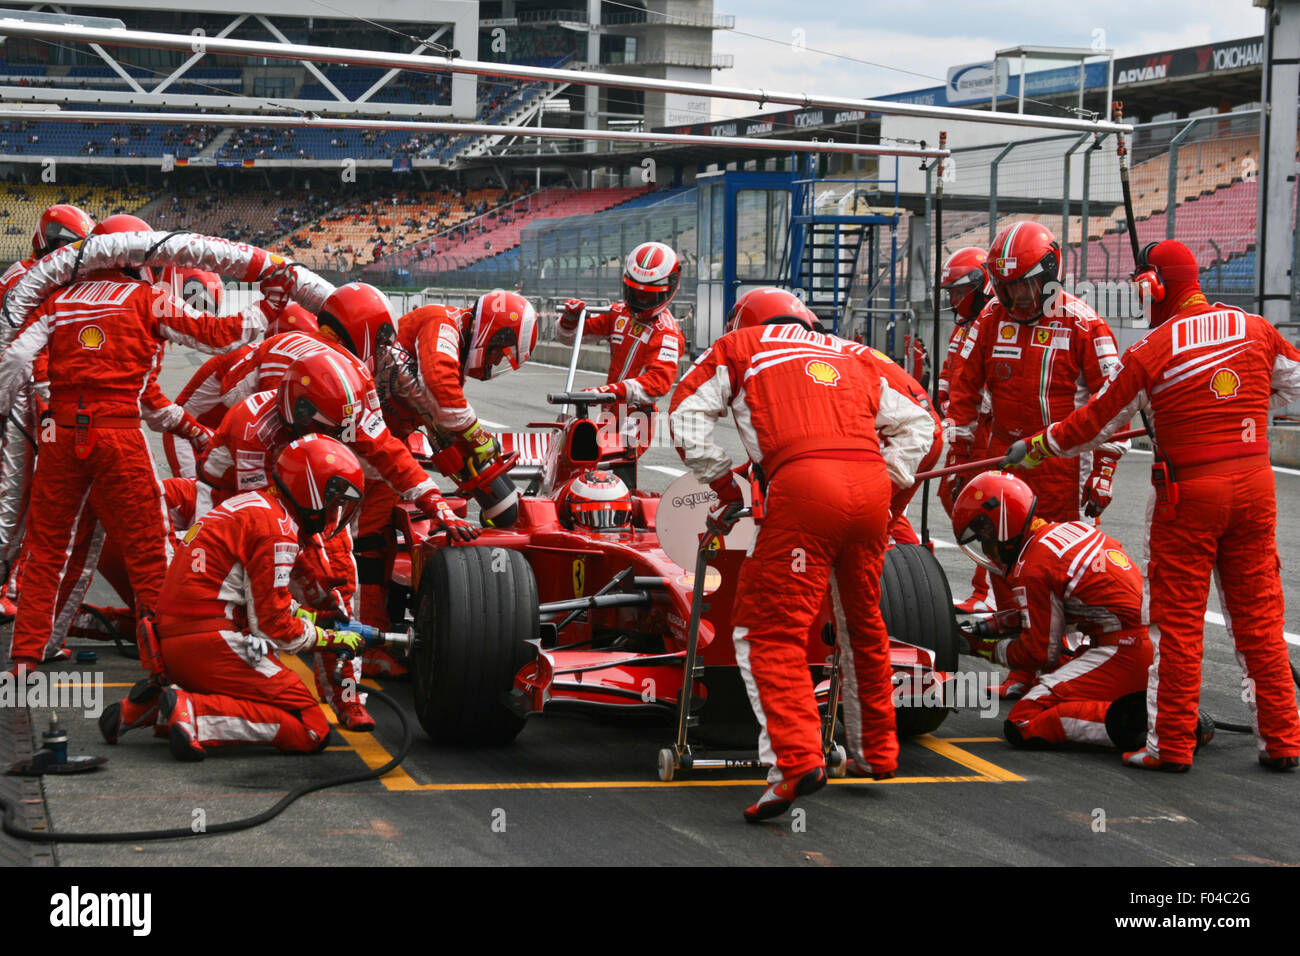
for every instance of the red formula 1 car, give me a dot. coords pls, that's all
(546, 616)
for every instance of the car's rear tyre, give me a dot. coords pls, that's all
(916, 603)
(477, 608)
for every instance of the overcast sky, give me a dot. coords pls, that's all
(928, 36)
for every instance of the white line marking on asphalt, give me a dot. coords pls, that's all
(1277, 468)
(487, 424)
(675, 472)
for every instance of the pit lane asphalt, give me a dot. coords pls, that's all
(576, 791)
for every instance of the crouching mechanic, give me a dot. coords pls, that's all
(226, 613)
(1065, 576)
(645, 343)
(811, 408)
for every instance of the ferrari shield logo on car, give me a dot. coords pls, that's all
(823, 373)
(91, 337)
(1224, 383)
(579, 577)
(1118, 558)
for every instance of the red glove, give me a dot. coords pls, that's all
(722, 514)
(196, 433)
(277, 289)
(613, 388)
(570, 312)
(459, 531)
(1097, 492)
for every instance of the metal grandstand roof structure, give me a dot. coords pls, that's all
(455, 65)
(445, 24)
(477, 129)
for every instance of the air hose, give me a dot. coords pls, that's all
(10, 809)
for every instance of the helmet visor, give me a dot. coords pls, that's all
(980, 543)
(342, 499)
(601, 515)
(1023, 297)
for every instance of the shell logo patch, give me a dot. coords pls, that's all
(1118, 558)
(823, 373)
(1007, 331)
(1224, 383)
(193, 533)
(91, 337)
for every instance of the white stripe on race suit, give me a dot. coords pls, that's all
(235, 730)
(1211, 617)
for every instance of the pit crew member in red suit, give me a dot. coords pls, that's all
(645, 342)
(810, 410)
(105, 334)
(224, 620)
(1065, 576)
(1206, 376)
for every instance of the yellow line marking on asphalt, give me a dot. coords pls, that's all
(394, 785)
(970, 740)
(945, 748)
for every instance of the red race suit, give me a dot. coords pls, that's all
(808, 410)
(224, 620)
(1207, 377)
(1073, 577)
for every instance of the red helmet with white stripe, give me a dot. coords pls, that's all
(967, 282)
(770, 304)
(359, 318)
(992, 518)
(325, 392)
(650, 278)
(58, 226)
(1023, 261)
(597, 500)
(502, 334)
(322, 482)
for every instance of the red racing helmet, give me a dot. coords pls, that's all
(768, 304)
(992, 517)
(597, 500)
(1024, 260)
(967, 282)
(58, 226)
(322, 482)
(503, 333)
(292, 318)
(199, 290)
(358, 317)
(325, 392)
(651, 274)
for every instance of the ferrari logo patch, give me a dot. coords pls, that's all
(579, 577)
(1224, 383)
(1118, 558)
(882, 356)
(1042, 336)
(823, 373)
(91, 337)
(1005, 264)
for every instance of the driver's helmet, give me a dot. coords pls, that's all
(597, 500)
(992, 518)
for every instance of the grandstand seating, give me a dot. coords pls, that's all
(360, 223)
(490, 235)
(21, 206)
